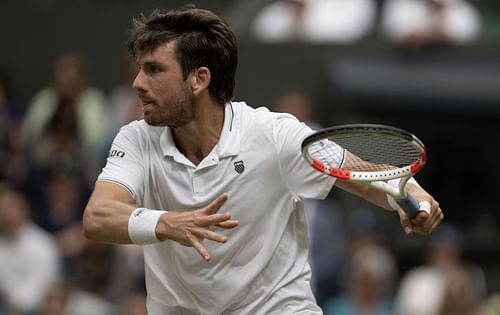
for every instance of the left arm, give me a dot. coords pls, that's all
(423, 223)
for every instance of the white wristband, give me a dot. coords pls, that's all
(142, 226)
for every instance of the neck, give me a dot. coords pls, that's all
(197, 139)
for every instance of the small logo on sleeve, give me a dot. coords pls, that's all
(239, 167)
(116, 153)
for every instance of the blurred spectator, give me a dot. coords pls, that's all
(103, 277)
(93, 278)
(12, 162)
(369, 274)
(29, 260)
(337, 21)
(323, 217)
(422, 23)
(327, 246)
(491, 305)
(446, 284)
(299, 105)
(65, 122)
(134, 304)
(125, 105)
(461, 295)
(60, 213)
(54, 302)
(85, 303)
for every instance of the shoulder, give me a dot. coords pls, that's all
(261, 117)
(273, 126)
(140, 131)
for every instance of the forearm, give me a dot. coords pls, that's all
(366, 192)
(112, 216)
(107, 221)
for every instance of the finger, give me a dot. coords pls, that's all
(209, 235)
(214, 219)
(420, 219)
(436, 215)
(405, 222)
(431, 224)
(228, 224)
(198, 245)
(438, 218)
(215, 205)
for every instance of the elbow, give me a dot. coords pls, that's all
(90, 226)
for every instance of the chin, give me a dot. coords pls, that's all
(154, 122)
(151, 119)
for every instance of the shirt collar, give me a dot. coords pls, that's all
(229, 141)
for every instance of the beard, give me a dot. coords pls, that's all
(174, 112)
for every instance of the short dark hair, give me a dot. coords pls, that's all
(203, 39)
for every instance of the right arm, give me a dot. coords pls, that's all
(106, 216)
(108, 211)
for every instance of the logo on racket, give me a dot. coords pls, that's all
(239, 167)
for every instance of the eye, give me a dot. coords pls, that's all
(152, 69)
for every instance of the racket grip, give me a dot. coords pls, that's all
(410, 205)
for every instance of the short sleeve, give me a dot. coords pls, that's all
(124, 164)
(301, 178)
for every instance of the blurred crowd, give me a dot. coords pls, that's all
(408, 23)
(50, 154)
(52, 149)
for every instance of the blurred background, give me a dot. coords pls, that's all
(429, 66)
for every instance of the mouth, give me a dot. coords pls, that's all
(147, 102)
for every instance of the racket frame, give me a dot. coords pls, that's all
(377, 179)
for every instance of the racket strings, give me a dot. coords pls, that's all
(373, 152)
(328, 153)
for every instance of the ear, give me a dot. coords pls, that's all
(200, 79)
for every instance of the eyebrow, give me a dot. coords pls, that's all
(153, 63)
(150, 63)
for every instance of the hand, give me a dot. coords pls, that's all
(425, 222)
(190, 228)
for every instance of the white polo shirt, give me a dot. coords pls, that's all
(263, 268)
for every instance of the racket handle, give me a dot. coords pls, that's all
(410, 205)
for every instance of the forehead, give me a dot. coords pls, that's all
(165, 53)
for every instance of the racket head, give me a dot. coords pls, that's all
(381, 152)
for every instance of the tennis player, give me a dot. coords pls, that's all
(212, 188)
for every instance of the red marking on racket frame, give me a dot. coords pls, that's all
(418, 165)
(335, 172)
(340, 173)
(423, 156)
(318, 165)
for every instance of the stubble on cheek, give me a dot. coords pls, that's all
(177, 111)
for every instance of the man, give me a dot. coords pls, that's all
(202, 167)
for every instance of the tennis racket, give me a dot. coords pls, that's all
(380, 156)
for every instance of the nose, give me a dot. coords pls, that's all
(139, 83)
